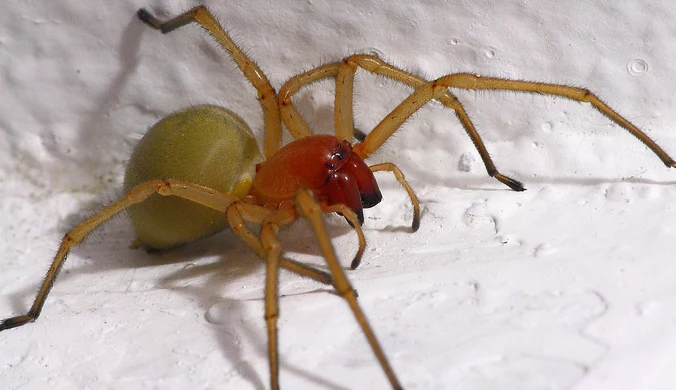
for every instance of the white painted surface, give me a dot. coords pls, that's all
(569, 285)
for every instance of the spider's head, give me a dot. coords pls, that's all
(350, 181)
(322, 163)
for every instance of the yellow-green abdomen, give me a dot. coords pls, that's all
(206, 145)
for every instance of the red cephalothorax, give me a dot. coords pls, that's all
(322, 163)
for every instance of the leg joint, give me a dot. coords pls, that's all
(346, 293)
(163, 188)
(273, 315)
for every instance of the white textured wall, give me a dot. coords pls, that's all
(568, 285)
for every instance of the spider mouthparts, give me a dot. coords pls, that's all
(372, 199)
(360, 217)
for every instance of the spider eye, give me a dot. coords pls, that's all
(339, 152)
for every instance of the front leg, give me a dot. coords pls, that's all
(267, 97)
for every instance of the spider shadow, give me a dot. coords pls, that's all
(97, 124)
(238, 262)
(219, 274)
(231, 260)
(481, 182)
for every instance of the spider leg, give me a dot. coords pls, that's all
(373, 64)
(402, 180)
(439, 88)
(138, 194)
(353, 220)
(238, 225)
(290, 116)
(267, 97)
(343, 115)
(193, 192)
(269, 249)
(273, 250)
(308, 207)
(473, 82)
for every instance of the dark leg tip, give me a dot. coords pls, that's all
(509, 182)
(144, 15)
(416, 224)
(14, 322)
(516, 186)
(360, 217)
(355, 263)
(149, 19)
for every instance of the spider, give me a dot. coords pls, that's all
(205, 164)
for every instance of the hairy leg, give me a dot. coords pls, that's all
(267, 97)
(309, 208)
